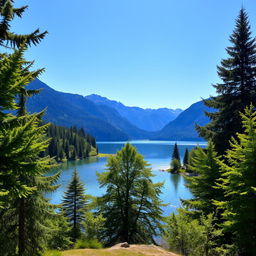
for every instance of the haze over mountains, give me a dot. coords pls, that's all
(110, 120)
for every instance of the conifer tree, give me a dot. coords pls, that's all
(185, 159)
(175, 163)
(203, 186)
(131, 204)
(23, 183)
(74, 205)
(8, 38)
(175, 153)
(238, 89)
(238, 180)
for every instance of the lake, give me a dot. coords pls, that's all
(156, 153)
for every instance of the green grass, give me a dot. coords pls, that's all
(92, 243)
(52, 253)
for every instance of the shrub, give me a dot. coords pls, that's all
(175, 166)
(88, 243)
(52, 253)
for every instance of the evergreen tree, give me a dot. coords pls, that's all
(203, 185)
(185, 159)
(22, 141)
(175, 153)
(74, 205)
(238, 89)
(239, 184)
(131, 204)
(8, 38)
(21, 138)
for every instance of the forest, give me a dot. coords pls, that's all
(220, 218)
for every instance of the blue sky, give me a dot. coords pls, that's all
(147, 53)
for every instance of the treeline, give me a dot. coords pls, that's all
(70, 143)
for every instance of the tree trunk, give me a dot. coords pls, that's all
(21, 237)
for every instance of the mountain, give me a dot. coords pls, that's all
(67, 109)
(108, 120)
(145, 119)
(183, 127)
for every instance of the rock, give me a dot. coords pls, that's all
(124, 245)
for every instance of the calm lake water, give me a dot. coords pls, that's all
(157, 153)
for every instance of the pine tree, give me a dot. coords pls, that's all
(203, 186)
(131, 204)
(185, 159)
(175, 153)
(74, 205)
(21, 138)
(23, 182)
(239, 184)
(8, 38)
(238, 89)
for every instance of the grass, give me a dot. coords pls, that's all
(104, 155)
(52, 253)
(134, 250)
(101, 252)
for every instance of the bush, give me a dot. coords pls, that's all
(52, 253)
(175, 166)
(88, 243)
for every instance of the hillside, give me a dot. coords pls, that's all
(145, 119)
(183, 127)
(68, 109)
(108, 120)
(133, 250)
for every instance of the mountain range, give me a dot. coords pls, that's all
(145, 119)
(109, 120)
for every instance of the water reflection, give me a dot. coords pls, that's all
(175, 180)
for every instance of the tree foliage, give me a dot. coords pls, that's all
(8, 38)
(238, 89)
(185, 159)
(131, 204)
(70, 143)
(175, 153)
(191, 237)
(203, 185)
(238, 180)
(74, 206)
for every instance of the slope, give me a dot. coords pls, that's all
(183, 127)
(145, 119)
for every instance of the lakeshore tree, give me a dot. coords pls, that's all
(131, 204)
(74, 206)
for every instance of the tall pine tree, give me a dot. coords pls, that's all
(238, 89)
(74, 205)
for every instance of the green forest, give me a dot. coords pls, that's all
(219, 220)
(69, 143)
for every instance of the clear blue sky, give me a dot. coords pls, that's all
(147, 53)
